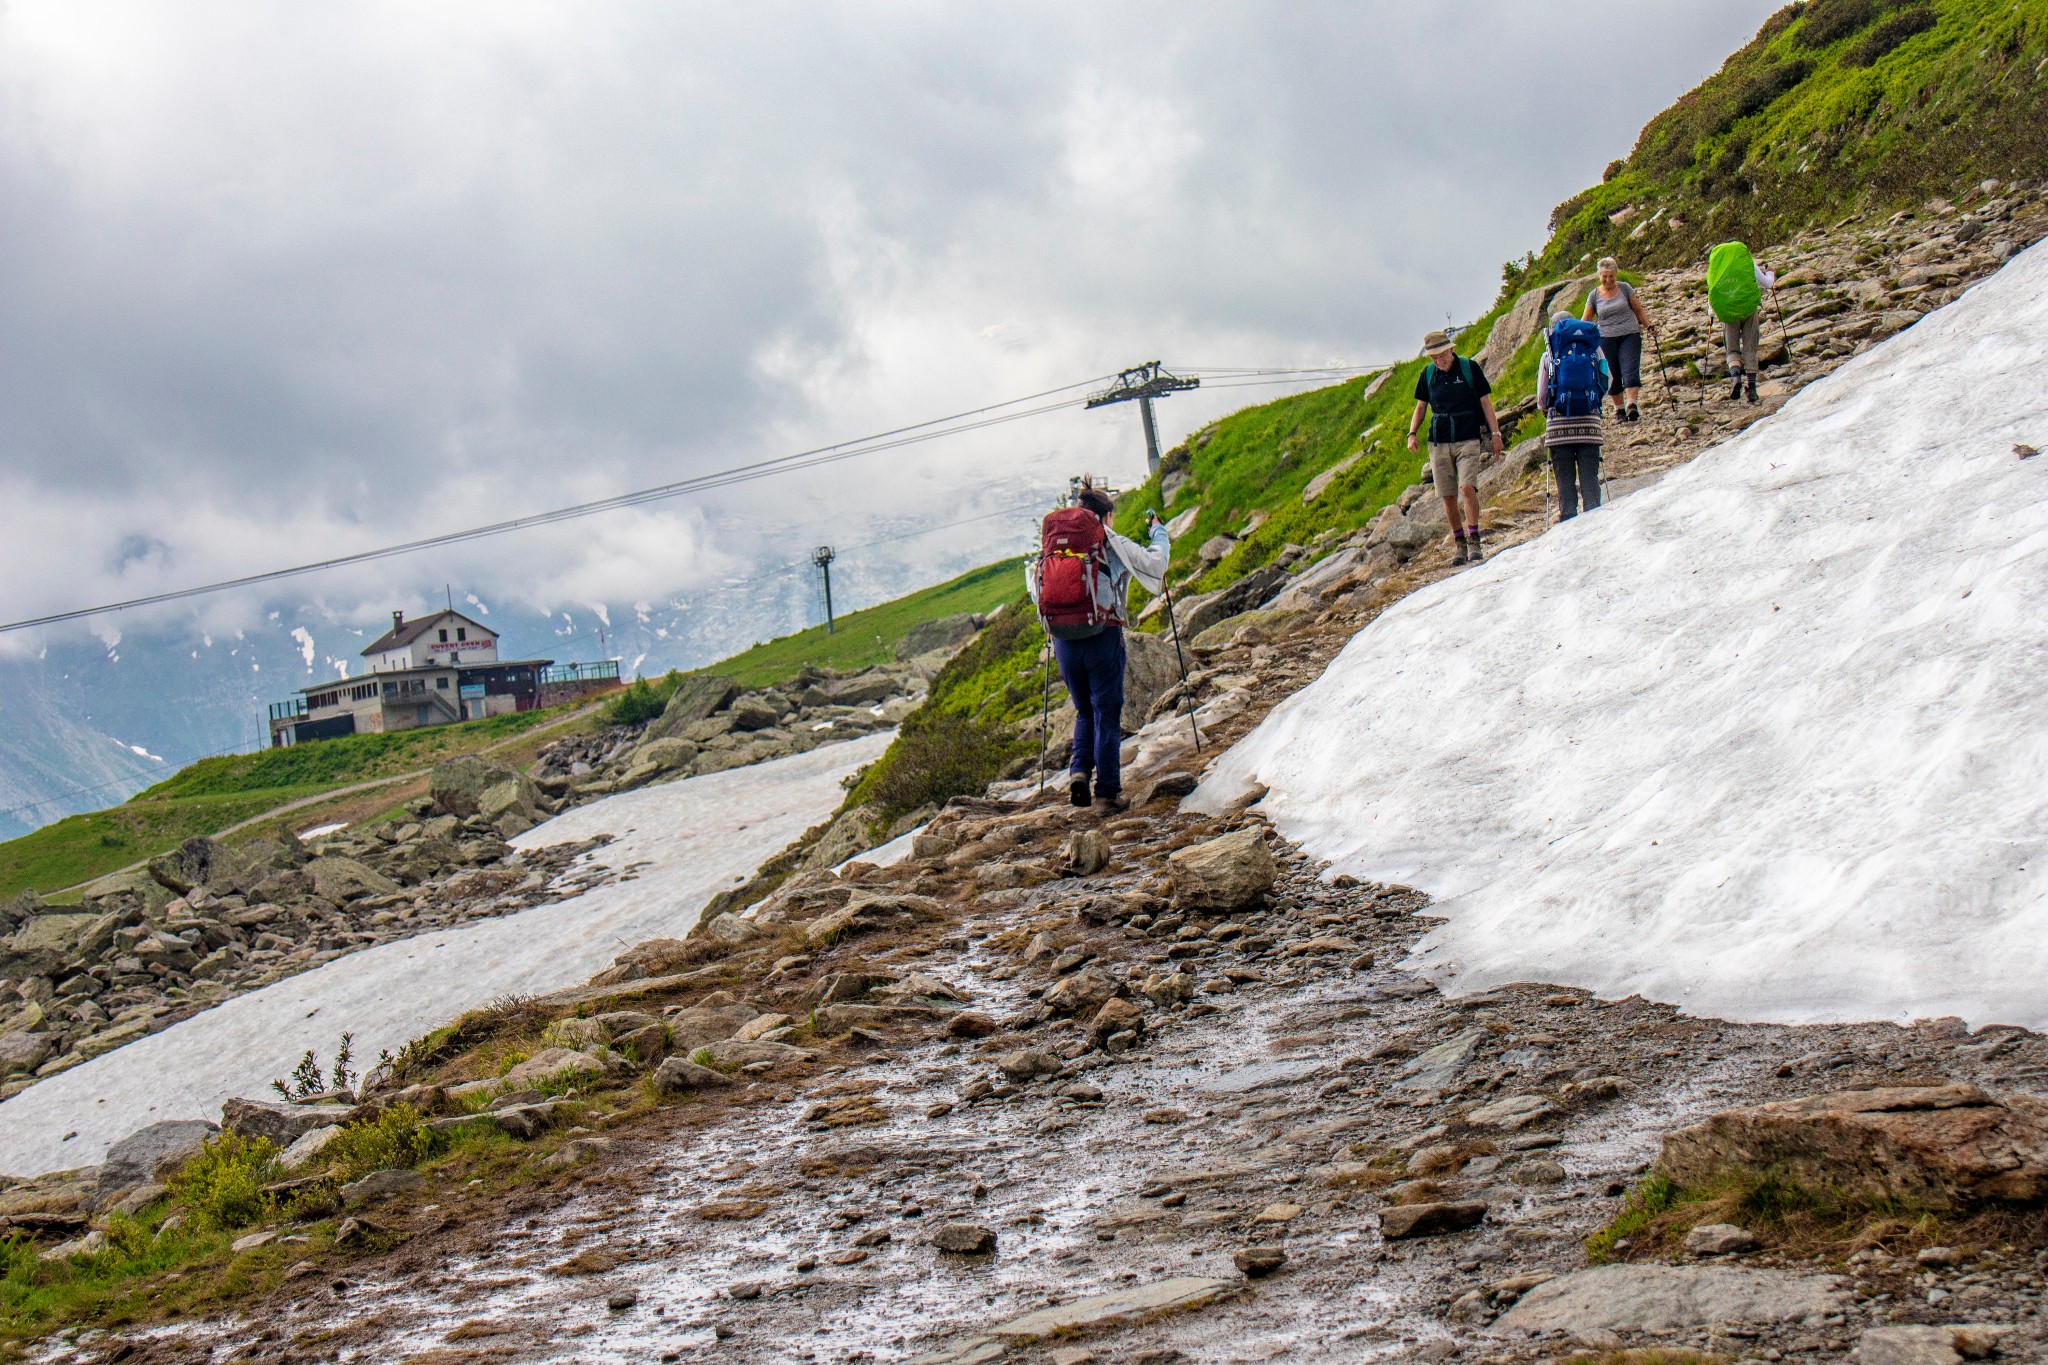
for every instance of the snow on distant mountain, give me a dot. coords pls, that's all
(94, 719)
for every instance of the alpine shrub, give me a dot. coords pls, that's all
(394, 1141)
(221, 1187)
(641, 702)
(1828, 21)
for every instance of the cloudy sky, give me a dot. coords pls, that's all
(280, 281)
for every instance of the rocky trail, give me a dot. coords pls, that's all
(1149, 1088)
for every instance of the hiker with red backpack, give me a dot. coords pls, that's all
(1453, 390)
(1080, 583)
(1571, 378)
(1736, 284)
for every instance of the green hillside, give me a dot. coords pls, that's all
(1836, 107)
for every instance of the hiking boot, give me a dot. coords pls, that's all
(1735, 385)
(1749, 389)
(1111, 805)
(1077, 790)
(1477, 553)
(1635, 414)
(1460, 557)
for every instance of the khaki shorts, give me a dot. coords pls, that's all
(1456, 465)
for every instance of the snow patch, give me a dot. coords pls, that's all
(1764, 739)
(138, 750)
(316, 831)
(689, 838)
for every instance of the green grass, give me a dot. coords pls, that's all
(1835, 108)
(349, 758)
(869, 636)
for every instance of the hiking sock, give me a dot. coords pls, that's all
(1461, 556)
(1077, 790)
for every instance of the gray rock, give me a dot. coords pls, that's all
(1141, 1302)
(282, 1124)
(1438, 1068)
(694, 701)
(1258, 1262)
(1215, 548)
(1719, 1239)
(1430, 1220)
(305, 1151)
(345, 879)
(964, 1239)
(1150, 668)
(704, 1025)
(754, 712)
(1081, 993)
(1938, 1345)
(678, 1075)
(1085, 853)
(734, 1053)
(153, 1153)
(382, 1185)
(1653, 1298)
(23, 1052)
(551, 1064)
(460, 784)
(847, 836)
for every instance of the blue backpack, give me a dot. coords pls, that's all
(1575, 387)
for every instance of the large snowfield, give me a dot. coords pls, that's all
(685, 840)
(1768, 739)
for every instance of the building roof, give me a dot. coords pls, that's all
(404, 632)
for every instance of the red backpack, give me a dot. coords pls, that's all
(1073, 567)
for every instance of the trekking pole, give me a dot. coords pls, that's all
(1664, 369)
(1174, 626)
(1784, 335)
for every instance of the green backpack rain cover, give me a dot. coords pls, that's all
(1731, 283)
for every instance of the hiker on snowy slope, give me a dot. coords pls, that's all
(1570, 378)
(1614, 305)
(1736, 284)
(1453, 389)
(1080, 583)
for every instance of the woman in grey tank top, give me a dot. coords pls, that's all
(1622, 321)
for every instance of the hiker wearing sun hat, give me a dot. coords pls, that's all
(1454, 392)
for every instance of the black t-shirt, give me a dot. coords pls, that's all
(1453, 396)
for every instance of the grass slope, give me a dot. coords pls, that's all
(1835, 107)
(870, 635)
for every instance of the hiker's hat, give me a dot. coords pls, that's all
(1436, 343)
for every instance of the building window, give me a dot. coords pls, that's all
(441, 683)
(444, 637)
(461, 633)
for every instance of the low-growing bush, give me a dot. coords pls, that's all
(395, 1140)
(221, 1187)
(642, 701)
(1895, 30)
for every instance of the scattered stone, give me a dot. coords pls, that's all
(1085, 853)
(731, 1210)
(964, 1239)
(1719, 1239)
(282, 1124)
(1257, 1262)
(970, 1024)
(1026, 1064)
(1430, 1220)
(1914, 1345)
(1277, 1213)
(1656, 1298)
(619, 1300)
(251, 1241)
(352, 1233)
(1516, 1111)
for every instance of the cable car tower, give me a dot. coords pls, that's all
(1144, 383)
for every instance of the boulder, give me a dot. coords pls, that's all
(690, 1029)
(1168, 989)
(1026, 1064)
(1224, 874)
(460, 786)
(754, 712)
(1082, 993)
(678, 1075)
(1248, 628)
(948, 632)
(45, 944)
(1215, 549)
(1719, 1239)
(1151, 666)
(694, 700)
(964, 1239)
(382, 1185)
(661, 755)
(199, 861)
(306, 1148)
(345, 879)
(734, 1053)
(23, 1051)
(281, 1123)
(862, 689)
(153, 1153)
(654, 957)
(1085, 853)
(1949, 1147)
(1529, 315)
(1321, 482)
(1664, 1298)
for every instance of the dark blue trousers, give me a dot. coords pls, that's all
(1093, 670)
